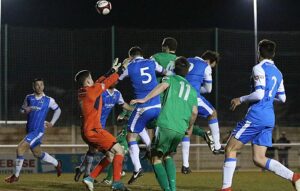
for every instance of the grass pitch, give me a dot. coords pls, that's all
(196, 181)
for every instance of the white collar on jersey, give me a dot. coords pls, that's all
(266, 60)
(111, 94)
(39, 97)
(138, 57)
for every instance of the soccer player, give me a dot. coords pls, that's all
(90, 101)
(167, 57)
(177, 117)
(258, 124)
(36, 107)
(201, 79)
(142, 75)
(110, 98)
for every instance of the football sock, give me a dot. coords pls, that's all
(146, 139)
(161, 176)
(49, 159)
(279, 169)
(228, 171)
(171, 172)
(83, 163)
(134, 152)
(117, 167)
(185, 151)
(109, 172)
(88, 163)
(99, 168)
(198, 131)
(215, 132)
(19, 164)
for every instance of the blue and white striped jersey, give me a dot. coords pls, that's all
(142, 73)
(199, 73)
(266, 76)
(109, 100)
(39, 109)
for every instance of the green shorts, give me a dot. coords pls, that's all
(166, 141)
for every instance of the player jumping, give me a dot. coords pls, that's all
(201, 79)
(258, 124)
(36, 107)
(142, 75)
(110, 98)
(177, 117)
(90, 101)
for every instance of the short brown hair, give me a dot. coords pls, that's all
(267, 48)
(170, 42)
(210, 55)
(81, 76)
(181, 66)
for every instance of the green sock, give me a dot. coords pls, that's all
(109, 172)
(161, 176)
(198, 131)
(171, 172)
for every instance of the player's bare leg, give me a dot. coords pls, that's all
(215, 131)
(37, 152)
(134, 153)
(260, 160)
(22, 148)
(230, 162)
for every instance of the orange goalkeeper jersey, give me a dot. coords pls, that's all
(90, 101)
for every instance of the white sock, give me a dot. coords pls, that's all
(279, 169)
(19, 164)
(185, 151)
(134, 152)
(49, 159)
(82, 165)
(228, 171)
(146, 139)
(88, 163)
(215, 132)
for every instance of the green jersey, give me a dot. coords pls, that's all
(177, 104)
(166, 60)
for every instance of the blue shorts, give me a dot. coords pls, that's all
(246, 131)
(34, 138)
(141, 116)
(205, 109)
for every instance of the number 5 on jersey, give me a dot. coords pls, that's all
(144, 73)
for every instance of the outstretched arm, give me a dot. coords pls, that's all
(259, 85)
(156, 91)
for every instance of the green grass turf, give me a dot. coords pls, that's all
(200, 181)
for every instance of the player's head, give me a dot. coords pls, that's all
(84, 78)
(181, 66)
(266, 49)
(135, 51)
(38, 86)
(211, 57)
(169, 44)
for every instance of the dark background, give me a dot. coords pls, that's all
(54, 39)
(177, 14)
